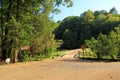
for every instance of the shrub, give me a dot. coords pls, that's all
(106, 46)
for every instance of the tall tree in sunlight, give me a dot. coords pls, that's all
(16, 25)
(88, 17)
(43, 41)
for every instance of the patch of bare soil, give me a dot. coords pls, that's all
(65, 68)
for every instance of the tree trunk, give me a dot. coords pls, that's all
(16, 55)
(17, 44)
(5, 49)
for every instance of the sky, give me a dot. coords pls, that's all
(80, 6)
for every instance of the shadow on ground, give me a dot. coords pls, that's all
(91, 60)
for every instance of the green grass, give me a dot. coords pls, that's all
(50, 56)
(58, 53)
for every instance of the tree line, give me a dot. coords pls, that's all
(98, 30)
(74, 30)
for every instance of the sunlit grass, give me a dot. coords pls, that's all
(58, 53)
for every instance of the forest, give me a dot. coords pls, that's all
(97, 30)
(28, 32)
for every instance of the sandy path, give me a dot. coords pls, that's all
(61, 69)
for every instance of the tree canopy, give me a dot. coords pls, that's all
(106, 46)
(74, 30)
(27, 22)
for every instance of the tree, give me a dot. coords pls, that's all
(106, 46)
(88, 17)
(69, 39)
(113, 11)
(66, 32)
(16, 24)
(43, 35)
(89, 24)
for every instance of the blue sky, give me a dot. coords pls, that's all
(81, 6)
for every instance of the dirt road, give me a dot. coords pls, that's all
(66, 68)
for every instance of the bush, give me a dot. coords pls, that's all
(105, 46)
(23, 56)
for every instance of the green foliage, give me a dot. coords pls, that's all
(106, 46)
(87, 53)
(87, 17)
(113, 10)
(27, 22)
(67, 3)
(59, 43)
(43, 37)
(74, 30)
(92, 44)
(24, 56)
